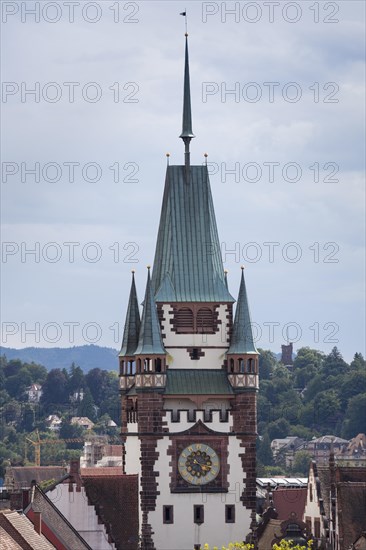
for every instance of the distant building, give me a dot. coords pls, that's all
(320, 448)
(286, 448)
(34, 393)
(53, 422)
(77, 396)
(286, 355)
(82, 421)
(98, 453)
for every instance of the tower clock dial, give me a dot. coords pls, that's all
(198, 464)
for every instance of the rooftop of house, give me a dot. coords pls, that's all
(351, 500)
(114, 496)
(290, 503)
(22, 476)
(53, 522)
(20, 532)
(82, 420)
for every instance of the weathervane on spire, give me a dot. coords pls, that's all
(184, 13)
(187, 132)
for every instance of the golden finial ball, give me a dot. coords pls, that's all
(205, 155)
(133, 271)
(186, 34)
(226, 271)
(242, 267)
(167, 155)
(149, 267)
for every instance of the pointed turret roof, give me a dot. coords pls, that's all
(132, 324)
(187, 131)
(188, 265)
(242, 336)
(150, 340)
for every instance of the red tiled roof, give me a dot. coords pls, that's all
(54, 525)
(101, 472)
(7, 542)
(351, 499)
(290, 503)
(115, 498)
(20, 529)
(23, 475)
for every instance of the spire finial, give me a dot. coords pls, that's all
(187, 132)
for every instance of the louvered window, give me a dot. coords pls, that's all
(205, 321)
(184, 320)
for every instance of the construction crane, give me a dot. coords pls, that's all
(38, 442)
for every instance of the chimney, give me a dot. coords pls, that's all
(37, 522)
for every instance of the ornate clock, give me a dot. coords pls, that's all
(198, 464)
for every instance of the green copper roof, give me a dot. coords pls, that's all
(150, 341)
(242, 335)
(187, 131)
(197, 382)
(188, 265)
(132, 324)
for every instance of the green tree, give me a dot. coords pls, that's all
(267, 362)
(264, 451)
(358, 362)
(278, 429)
(55, 388)
(301, 463)
(334, 363)
(87, 407)
(355, 418)
(327, 410)
(307, 356)
(76, 381)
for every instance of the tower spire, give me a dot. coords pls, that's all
(132, 325)
(187, 132)
(242, 340)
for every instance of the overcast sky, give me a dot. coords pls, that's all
(286, 156)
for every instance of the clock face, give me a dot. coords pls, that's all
(198, 464)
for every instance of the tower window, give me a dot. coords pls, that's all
(241, 365)
(250, 366)
(158, 365)
(194, 354)
(184, 320)
(205, 321)
(230, 513)
(168, 514)
(198, 514)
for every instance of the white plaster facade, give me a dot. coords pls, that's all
(184, 533)
(82, 516)
(312, 505)
(215, 345)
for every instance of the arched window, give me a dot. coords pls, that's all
(139, 366)
(184, 320)
(204, 321)
(147, 364)
(132, 367)
(241, 365)
(250, 366)
(231, 367)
